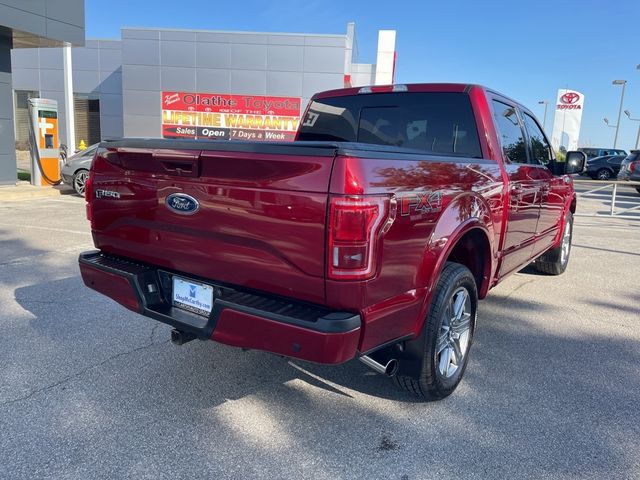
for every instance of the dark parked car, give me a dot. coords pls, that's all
(604, 168)
(601, 152)
(76, 171)
(630, 168)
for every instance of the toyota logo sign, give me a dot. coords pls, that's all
(570, 98)
(569, 101)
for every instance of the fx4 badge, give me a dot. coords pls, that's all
(420, 203)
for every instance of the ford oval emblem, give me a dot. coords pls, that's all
(182, 203)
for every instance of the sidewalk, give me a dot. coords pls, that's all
(26, 191)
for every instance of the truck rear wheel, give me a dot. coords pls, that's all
(436, 360)
(555, 261)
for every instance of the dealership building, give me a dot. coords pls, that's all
(25, 26)
(167, 82)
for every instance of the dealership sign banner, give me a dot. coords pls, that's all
(229, 117)
(568, 116)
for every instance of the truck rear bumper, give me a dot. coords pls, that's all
(239, 318)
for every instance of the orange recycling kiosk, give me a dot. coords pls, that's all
(45, 167)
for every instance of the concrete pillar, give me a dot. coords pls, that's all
(386, 58)
(348, 53)
(7, 135)
(70, 121)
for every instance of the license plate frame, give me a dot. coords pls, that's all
(192, 296)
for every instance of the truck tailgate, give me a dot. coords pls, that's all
(246, 214)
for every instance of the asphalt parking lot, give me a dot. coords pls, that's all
(90, 390)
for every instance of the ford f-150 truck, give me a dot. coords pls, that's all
(373, 235)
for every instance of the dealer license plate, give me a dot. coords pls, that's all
(193, 296)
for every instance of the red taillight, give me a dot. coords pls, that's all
(355, 224)
(633, 166)
(88, 195)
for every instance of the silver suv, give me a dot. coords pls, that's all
(630, 168)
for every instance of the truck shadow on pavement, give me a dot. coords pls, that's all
(534, 399)
(11, 247)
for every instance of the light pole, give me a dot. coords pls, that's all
(544, 120)
(624, 84)
(628, 114)
(606, 122)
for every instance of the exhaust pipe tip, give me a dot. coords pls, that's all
(392, 367)
(178, 337)
(389, 369)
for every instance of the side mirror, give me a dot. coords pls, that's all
(574, 162)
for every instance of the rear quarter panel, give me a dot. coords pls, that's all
(438, 200)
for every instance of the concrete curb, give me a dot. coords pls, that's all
(26, 191)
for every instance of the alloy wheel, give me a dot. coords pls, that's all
(79, 181)
(566, 243)
(454, 336)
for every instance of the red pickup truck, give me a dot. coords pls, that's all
(373, 235)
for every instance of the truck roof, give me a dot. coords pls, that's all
(410, 87)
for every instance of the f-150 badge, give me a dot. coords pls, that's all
(107, 194)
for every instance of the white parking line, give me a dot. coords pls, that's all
(37, 258)
(76, 201)
(51, 229)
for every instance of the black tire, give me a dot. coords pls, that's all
(420, 370)
(603, 174)
(553, 262)
(79, 179)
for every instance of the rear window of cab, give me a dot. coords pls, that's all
(435, 122)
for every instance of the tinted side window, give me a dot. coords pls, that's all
(510, 131)
(540, 149)
(438, 122)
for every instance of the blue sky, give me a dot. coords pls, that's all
(525, 49)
